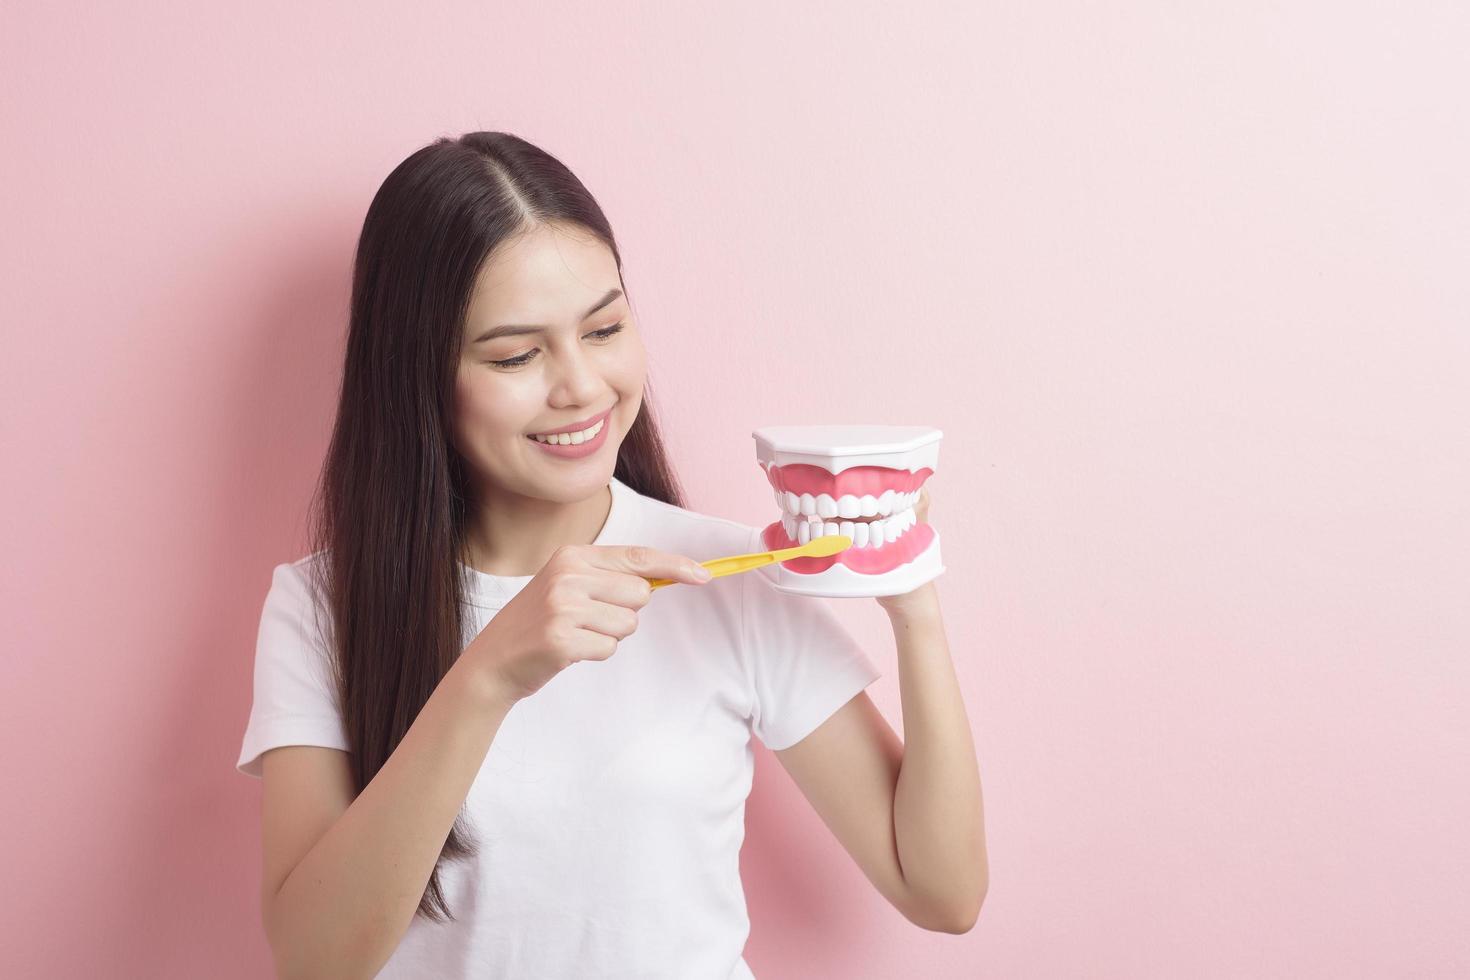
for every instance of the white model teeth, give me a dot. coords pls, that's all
(572, 438)
(847, 506)
(864, 534)
(870, 521)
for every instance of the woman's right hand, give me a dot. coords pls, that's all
(583, 601)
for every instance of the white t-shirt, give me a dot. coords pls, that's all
(610, 807)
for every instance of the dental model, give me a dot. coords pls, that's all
(858, 480)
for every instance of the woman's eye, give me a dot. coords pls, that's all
(603, 334)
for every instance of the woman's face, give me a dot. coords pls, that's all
(573, 365)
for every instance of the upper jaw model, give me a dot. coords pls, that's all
(857, 480)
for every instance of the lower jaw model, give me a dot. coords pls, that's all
(857, 480)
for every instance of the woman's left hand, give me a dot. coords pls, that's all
(925, 592)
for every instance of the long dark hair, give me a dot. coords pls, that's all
(389, 511)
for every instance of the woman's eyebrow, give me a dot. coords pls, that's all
(510, 330)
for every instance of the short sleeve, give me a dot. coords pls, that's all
(295, 702)
(802, 663)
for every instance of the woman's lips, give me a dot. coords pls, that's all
(575, 426)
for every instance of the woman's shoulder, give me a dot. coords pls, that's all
(673, 527)
(299, 583)
(295, 571)
(309, 562)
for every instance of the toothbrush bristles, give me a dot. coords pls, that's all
(827, 544)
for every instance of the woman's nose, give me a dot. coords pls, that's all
(577, 376)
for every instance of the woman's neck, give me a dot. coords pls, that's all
(517, 535)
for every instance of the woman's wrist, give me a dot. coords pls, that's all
(484, 683)
(921, 603)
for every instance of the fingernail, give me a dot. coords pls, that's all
(701, 573)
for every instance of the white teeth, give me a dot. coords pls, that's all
(870, 521)
(572, 438)
(864, 534)
(865, 508)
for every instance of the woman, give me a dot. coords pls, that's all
(442, 795)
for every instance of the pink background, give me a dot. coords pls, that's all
(1185, 286)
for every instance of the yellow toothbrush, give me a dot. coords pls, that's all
(827, 544)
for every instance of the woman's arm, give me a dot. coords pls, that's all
(938, 813)
(346, 904)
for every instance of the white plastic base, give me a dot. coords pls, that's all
(841, 582)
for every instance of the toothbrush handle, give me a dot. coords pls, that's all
(733, 565)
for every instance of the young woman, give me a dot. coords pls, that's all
(487, 747)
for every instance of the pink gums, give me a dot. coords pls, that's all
(800, 478)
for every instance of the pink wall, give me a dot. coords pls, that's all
(1186, 289)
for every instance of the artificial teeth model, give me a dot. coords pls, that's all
(858, 480)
